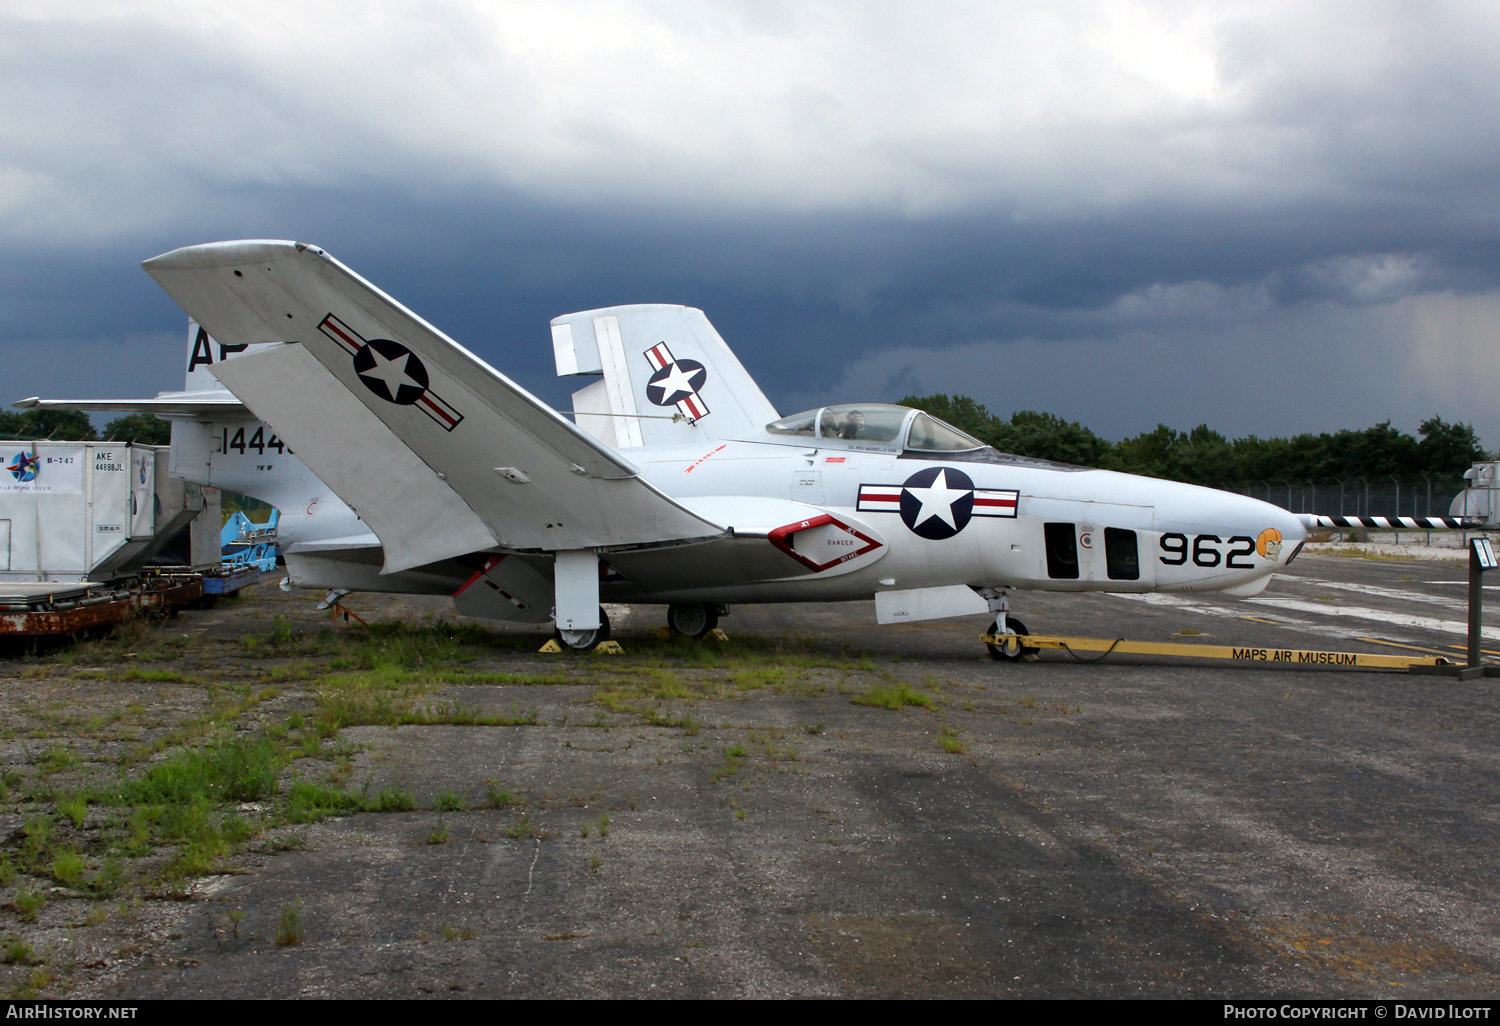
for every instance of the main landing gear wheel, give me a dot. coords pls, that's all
(692, 619)
(584, 641)
(1012, 650)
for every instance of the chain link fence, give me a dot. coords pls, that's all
(1359, 497)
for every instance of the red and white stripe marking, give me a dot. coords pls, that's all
(659, 356)
(992, 502)
(879, 499)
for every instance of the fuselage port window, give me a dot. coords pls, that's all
(1121, 555)
(1062, 551)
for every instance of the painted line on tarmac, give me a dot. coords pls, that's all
(1385, 616)
(1327, 630)
(1397, 594)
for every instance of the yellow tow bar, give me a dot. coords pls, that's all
(1108, 646)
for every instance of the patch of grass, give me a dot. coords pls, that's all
(289, 930)
(438, 836)
(523, 827)
(448, 802)
(7, 870)
(813, 728)
(56, 760)
(453, 933)
(732, 756)
(36, 844)
(392, 801)
(951, 742)
(239, 771)
(499, 797)
(310, 803)
(894, 696)
(28, 903)
(36, 981)
(18, 952)
(68, 869)
(109, 881)
(75, 808)
(8, 780)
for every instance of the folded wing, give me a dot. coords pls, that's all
(402, 422)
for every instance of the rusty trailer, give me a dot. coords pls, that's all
(63, 609)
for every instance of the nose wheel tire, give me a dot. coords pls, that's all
(691, 619)
(1012, 650)
(584, 641)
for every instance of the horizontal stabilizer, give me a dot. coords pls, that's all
(532, 479)
(183, 405)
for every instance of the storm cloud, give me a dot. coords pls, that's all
(1270, 218)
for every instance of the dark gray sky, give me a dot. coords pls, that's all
(1272, 218)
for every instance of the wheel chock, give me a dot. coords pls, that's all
(551, 646)
(718, 634)
(609, 648)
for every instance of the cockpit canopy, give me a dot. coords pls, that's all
(876, 424)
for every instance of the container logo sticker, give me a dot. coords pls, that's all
(23, 467)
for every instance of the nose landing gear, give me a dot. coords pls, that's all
(1006, 630)
(1010, 649)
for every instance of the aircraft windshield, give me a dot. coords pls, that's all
(875, 423)
(932, 435)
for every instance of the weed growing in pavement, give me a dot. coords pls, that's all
(440, 835)
(68, 869)
(894, 696)
(732, 756)
(75, 808)
(949, 739)
(523, 827)
(448, 802)
(36, 981)
(56, 760)
(392, 801)
(499, 797)
(452, 933)
(309, 803)
(7, 870)
(28, 903)
(289, 931)
(18, 952)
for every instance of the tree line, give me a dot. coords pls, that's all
(1204, 456)
(73, 426)
(1199, 456)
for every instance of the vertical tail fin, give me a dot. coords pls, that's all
(668, 377)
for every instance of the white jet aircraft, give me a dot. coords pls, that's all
(420, 468)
